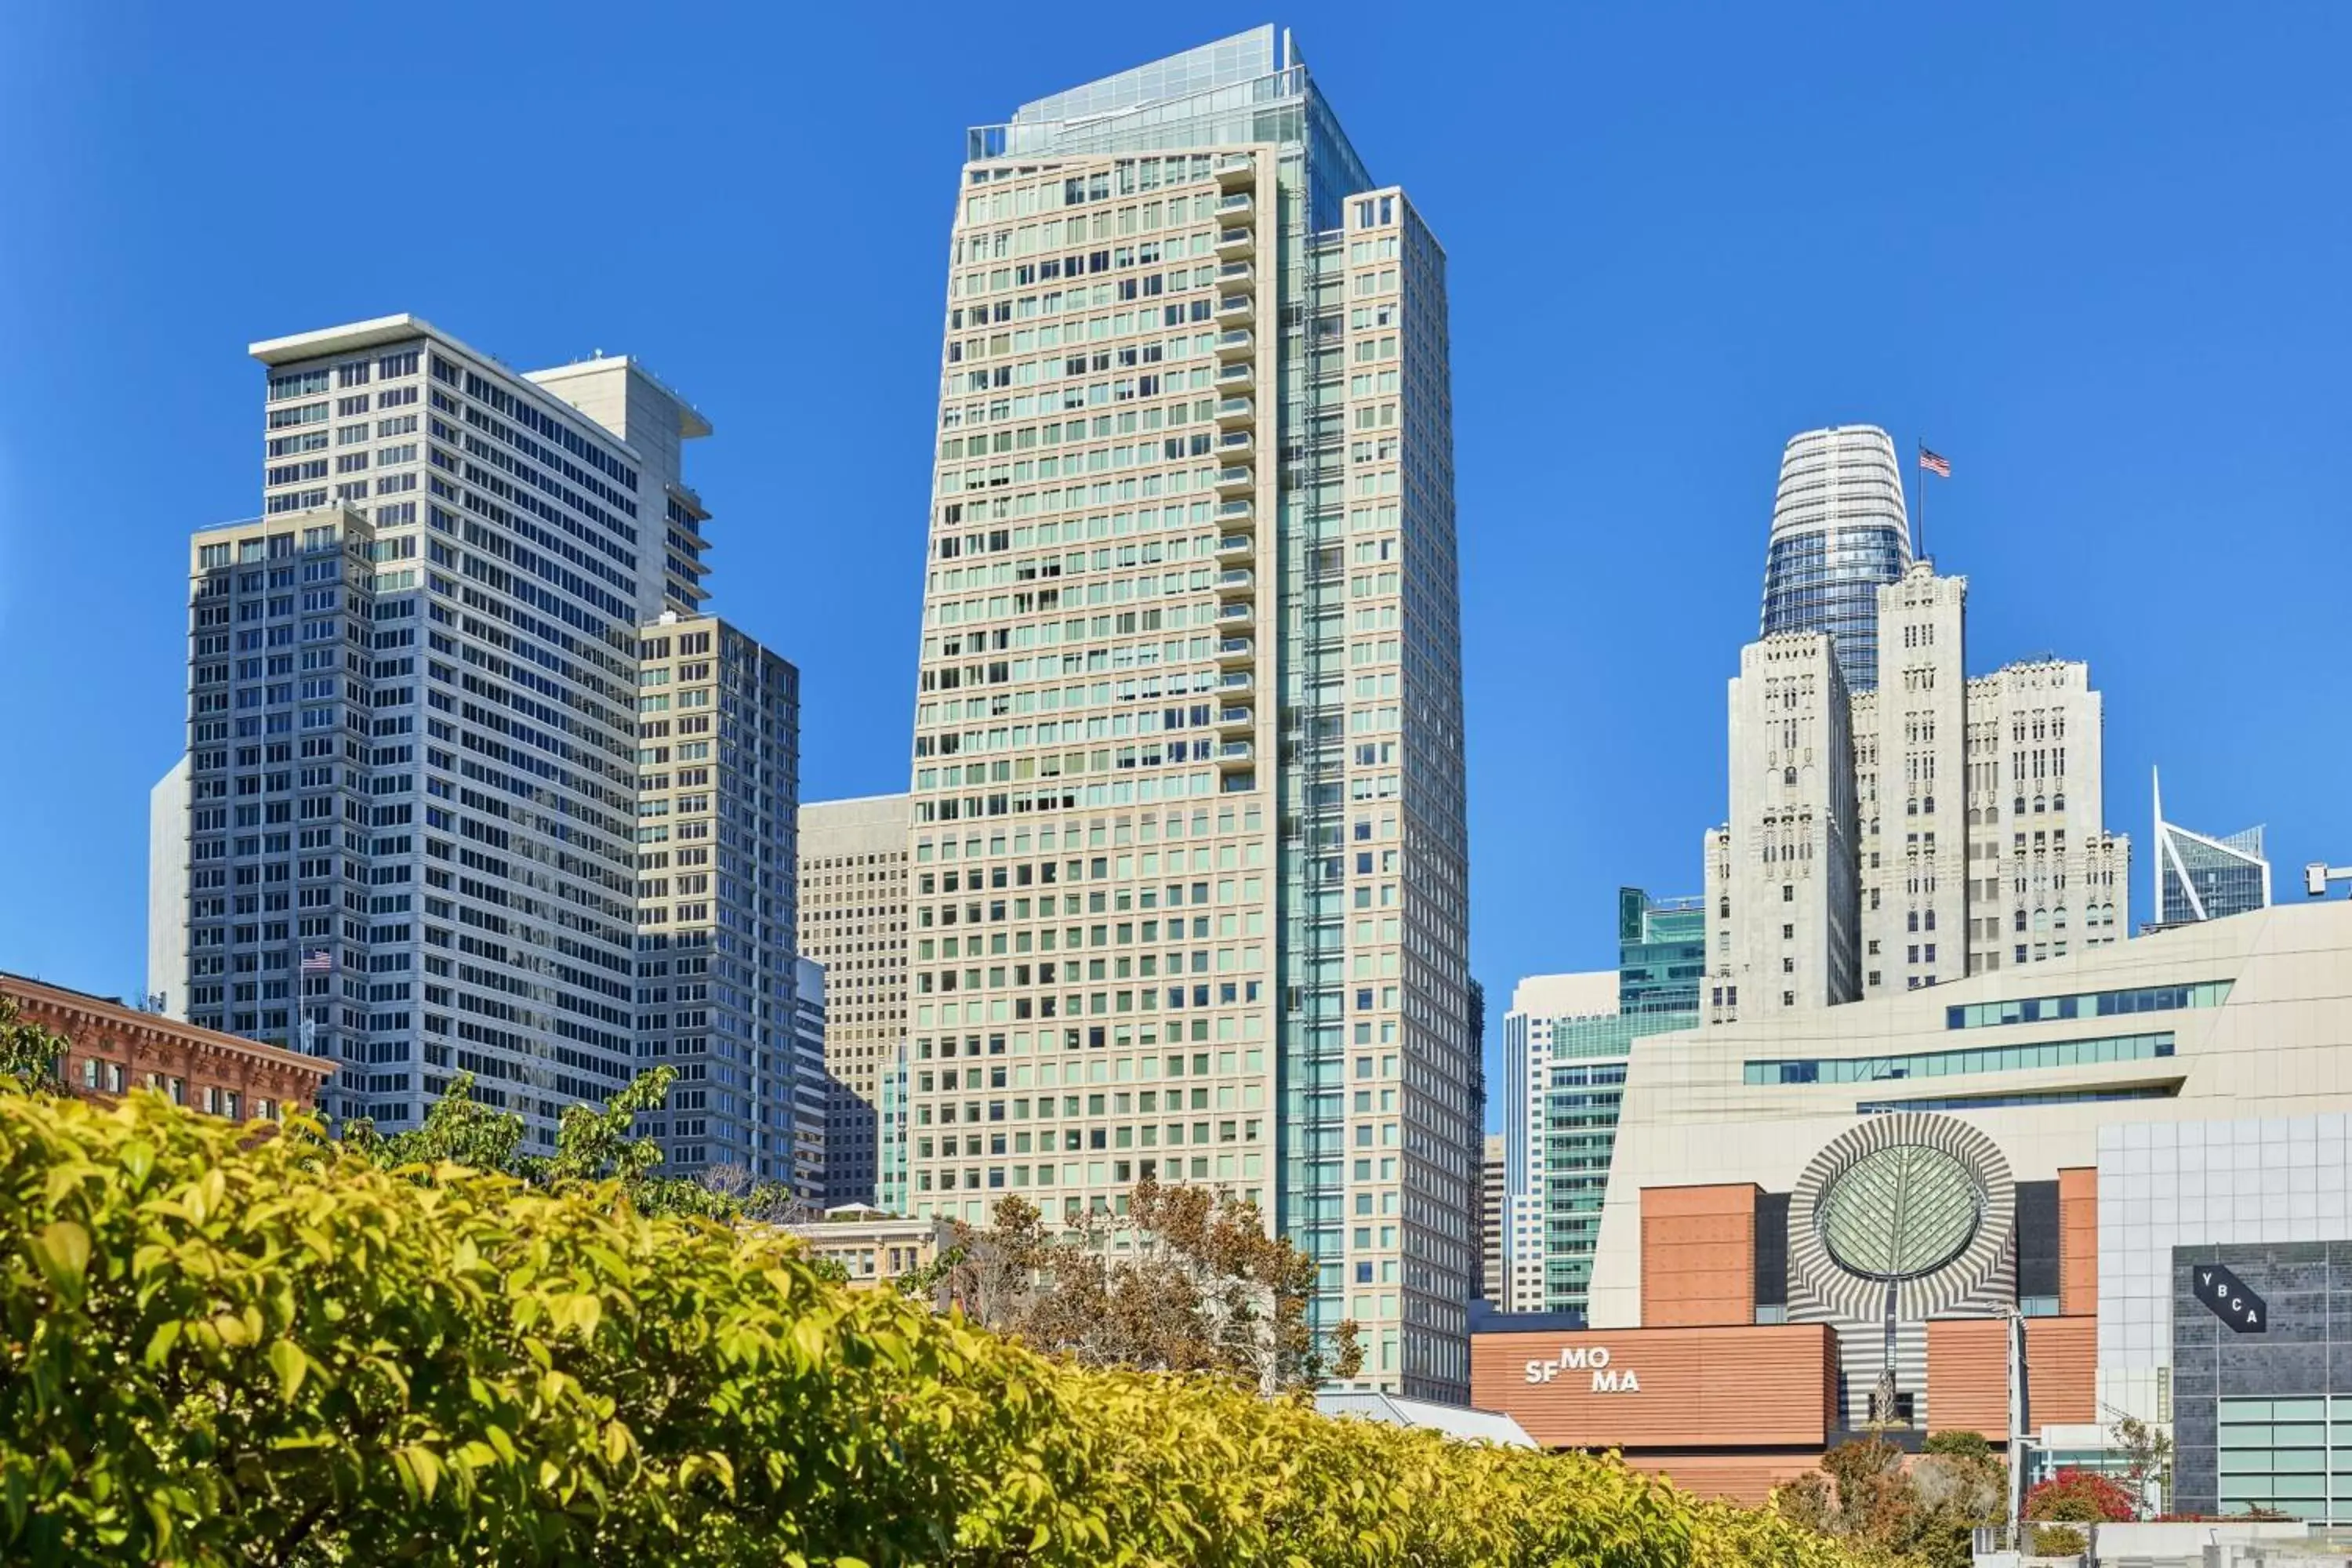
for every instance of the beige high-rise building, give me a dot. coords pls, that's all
(1973, 814)
(1782, 909)
(1909, 740)
(852, 919)
(1494, 1215)
(1983, 842)
(717, 774)
(2048, 878)
(1188, 858)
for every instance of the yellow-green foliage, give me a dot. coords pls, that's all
(222, 1350)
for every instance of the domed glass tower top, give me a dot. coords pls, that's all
(1839, 531)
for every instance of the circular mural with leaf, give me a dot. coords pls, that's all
(1919, 1200)
(1899, 1213)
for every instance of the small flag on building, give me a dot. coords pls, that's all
(318, 961)
(1936, 463)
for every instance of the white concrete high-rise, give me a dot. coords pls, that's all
(167, 893)
(1189, 857)
(1783, 907)
(1910, 744)
(2047, 876)
(1963, 833)
(1540, 1003)
(416, 800)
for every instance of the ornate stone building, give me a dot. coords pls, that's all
(112, 1049)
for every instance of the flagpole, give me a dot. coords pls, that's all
(1920, 471)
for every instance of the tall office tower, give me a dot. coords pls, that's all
(1839, 531)
(1541, 1004)
(854, 922)
(2202, 877)
(1570, 1038)
(1782, 894)
(811, 1096)
(167, 893)
(717, 762)
(1917, 848)
(2059, 881)
(413, 726)
(892, 1117)
(1189, 840)
(1491, 1209)
(1977, 807)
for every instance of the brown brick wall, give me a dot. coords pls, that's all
(1750, 1386)
(2078, 1242)
(1698, 1256)
(1746, 1479)
(1967, 1374)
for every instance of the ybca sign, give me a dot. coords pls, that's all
(2227, 1298)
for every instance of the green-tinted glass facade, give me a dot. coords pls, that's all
(1661, 958)
(1660, 954)
(2291, 1456)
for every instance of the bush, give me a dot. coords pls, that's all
(2059, 1541)
(2081, 1496)
(220, 1350)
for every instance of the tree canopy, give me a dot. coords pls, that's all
(222, 1350)
(1185, 1280)
(591, 1145)
(28, 1052)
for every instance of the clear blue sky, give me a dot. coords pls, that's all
(2097, 255)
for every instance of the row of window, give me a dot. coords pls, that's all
(103, 1077)
(1941, 1064)
(2088, 1005)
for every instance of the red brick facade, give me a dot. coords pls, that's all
(112, 1049)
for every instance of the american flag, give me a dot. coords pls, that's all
(318, 961)
(1936, 463)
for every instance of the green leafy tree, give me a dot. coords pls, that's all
(28, 1053)
(2147, 1450)
(216, 1349)
(457, 1130)
(591, 1145)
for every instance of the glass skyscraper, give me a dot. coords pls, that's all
(1838, 531)
(1661, 955)
(1187, 856)
(2202, 877)
(1566, 1074)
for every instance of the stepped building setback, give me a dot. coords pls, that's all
(474, 783)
